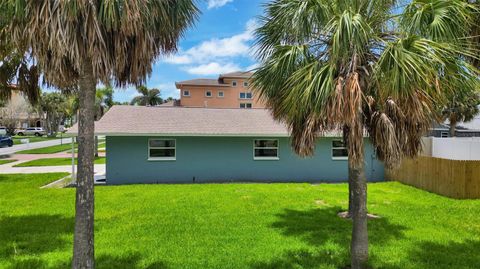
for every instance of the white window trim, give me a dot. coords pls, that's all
(335, 158)
(266, 158)
(211, 94)
(218, 94)
(174, 158)
(183, 93)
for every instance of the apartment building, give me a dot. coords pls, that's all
(230, 90)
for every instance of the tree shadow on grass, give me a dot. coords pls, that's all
(328, 233)
(34, 235)
(464, 255)
(127, 261)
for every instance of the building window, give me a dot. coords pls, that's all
(444, 134)
(245, 105)
(339, 150)
(162, 149)
(245, 84)
(220, 94)
(234, 83)
(245, 95)
(208, 93)
(186, 93)
(265, 149)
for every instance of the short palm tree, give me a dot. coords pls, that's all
(81, 43)
(147, 97)
(364, 67)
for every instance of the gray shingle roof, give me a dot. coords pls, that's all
(238, 74)
(201, 81)
(182, 121)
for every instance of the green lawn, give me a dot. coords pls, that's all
(7, 161)
(234, 226)
(32, 139)
(48, 150)
(55, 161)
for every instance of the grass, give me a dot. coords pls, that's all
(48, 150)
(234, 226)
(16, 139)
(55, 162)
(7, 161)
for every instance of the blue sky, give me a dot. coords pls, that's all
(218, 43)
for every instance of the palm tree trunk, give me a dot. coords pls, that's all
(350, 189)
(83, 247)
(453, 125)
(359, 244)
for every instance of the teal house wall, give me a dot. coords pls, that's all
(224, 159)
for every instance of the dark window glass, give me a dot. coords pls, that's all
(158, 143)
(266, 143)
(339, 152)
(265, 152)
(249, 95)
(337, 144)
(156, 153)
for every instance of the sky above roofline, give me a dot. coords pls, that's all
(220, 42)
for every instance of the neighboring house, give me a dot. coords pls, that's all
(453, 148)
(20, 109)
(178, 144)
(232, 90)
(463, 129)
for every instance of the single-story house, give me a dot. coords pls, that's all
(184, 145)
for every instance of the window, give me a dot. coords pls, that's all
(265, 149)
(186, 93)
(234, 83)
(162, 149)
(339, 150)
(220, 94)
(245, 105)
(208, 93)
(245, 95)
(245, 84)
(444, 134)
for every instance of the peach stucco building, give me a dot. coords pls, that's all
(230, 90)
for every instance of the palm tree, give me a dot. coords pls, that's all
(462, 106)
(82, 43)
(147, 97)
(364, 67)
(16, 67)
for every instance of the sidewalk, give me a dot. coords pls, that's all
(8, 169)
(35, 145)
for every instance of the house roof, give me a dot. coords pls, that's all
(201, 82)
(238, 74)
(182, 121)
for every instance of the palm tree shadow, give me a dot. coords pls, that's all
(328, 233)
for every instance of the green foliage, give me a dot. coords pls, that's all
(234, 226)
(363, 66)
(147, 97)
(54, 105)
(462, 106)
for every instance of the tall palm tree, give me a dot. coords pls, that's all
(364, 67)
(84, 42)
(462, 106)
(147, 97)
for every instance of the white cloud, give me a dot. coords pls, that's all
(213, 68)
(168, 90)
(217, 49)
(217, 3)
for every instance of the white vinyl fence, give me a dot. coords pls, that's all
(453, 148)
